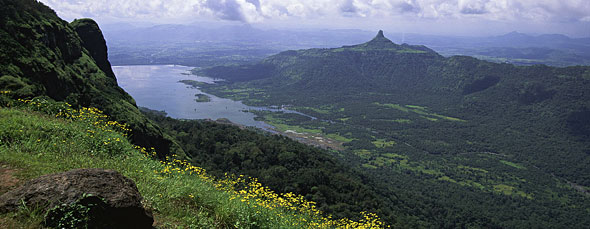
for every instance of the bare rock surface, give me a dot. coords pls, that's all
(122, 206)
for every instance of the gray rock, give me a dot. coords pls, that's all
(123, 208)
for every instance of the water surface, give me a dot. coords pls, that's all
(156, 87)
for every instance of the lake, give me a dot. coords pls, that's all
(156, 87)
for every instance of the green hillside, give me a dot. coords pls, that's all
(286, 166)
(39, 137)
(45, 59)
(456, 135)
(358, 82)
(42, 55)
(422, 140)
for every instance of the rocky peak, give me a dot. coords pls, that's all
(380, 39)
(379, 34)
(93, 40)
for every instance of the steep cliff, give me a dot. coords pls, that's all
(42, 55)
(93, 41)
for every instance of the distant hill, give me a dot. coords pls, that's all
(407, 113)
(239, 44)
(44, 56)
(463, 86)
(515, 47)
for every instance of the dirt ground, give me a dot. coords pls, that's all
(7, 178)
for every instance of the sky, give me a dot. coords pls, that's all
(437, 17)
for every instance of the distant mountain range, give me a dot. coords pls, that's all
(206, 45)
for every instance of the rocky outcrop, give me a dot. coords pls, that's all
(113, 199)
(42, 55)
(93, 41)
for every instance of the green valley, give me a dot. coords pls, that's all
(442, 130)
(364, 136)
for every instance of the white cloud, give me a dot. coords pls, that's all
(326, 11)
(259, 10)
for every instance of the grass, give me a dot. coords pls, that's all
(322, 110)
(416, 107)
(284, 127)
(363, 153)
(280, 125)
(512, 164)
(242, 90)
(338, 137)
(202, 98)
(462, 183)
(411, 51)
(383, 161)
(420, 110)
(463, 175)
(382, 143)
(396, 161)
(509, 190)
(395, 155)
(369, 166)
(344, 119)
(37, 142)
(448, 179)
(472, 168)
(429, 118)
(180, 195)
(504, 189)
(394, 106)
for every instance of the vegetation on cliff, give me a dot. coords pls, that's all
(428, 141)
(42, 55)
(45, 58)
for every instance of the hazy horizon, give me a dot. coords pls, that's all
(432, 17)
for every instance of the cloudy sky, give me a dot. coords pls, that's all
(448, 17)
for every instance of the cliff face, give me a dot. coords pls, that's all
(93, 41)
(42, 55)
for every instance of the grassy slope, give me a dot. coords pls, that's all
(35, 143)
(42, 55)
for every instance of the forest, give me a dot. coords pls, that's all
(421, 139)
(441, 130)
(404, 196)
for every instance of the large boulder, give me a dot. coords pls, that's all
(114, 198)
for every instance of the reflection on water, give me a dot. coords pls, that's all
(157, 87)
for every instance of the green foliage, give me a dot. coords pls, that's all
(452, 118)
(42, 55)
(24, 217)
(512, 164)
(202, 98)
(79, 214)
(382, 143)
(16, 86)
(282, 164)
(180, 194)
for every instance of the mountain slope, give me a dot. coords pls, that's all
(42, 55)
(487, 94)
(459, 134)
(40, 137)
